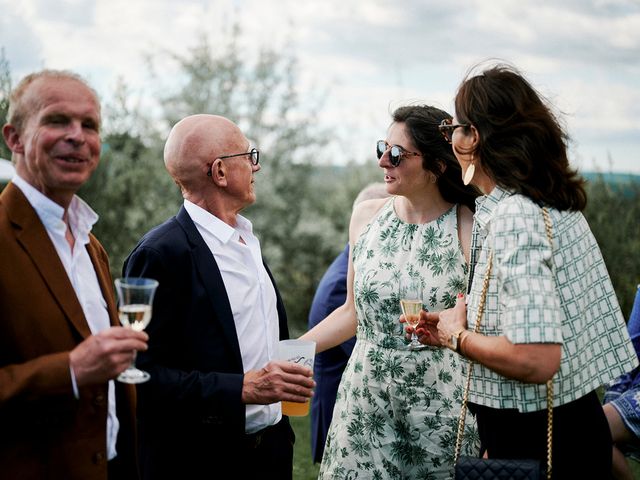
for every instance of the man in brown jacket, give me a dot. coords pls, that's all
(59, 346)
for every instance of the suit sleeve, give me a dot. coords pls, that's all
(187, 360)
(36, 379)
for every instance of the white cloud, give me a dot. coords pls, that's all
(23, 46)
(369, 54)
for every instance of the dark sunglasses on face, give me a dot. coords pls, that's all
(447, 127)
(396, 152)
(254, 158)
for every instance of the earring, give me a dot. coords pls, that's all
(468, 175)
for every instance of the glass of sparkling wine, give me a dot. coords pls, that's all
(411, 304)
(135, 298)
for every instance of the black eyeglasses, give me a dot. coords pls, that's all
(446, 128)
(254, 157)
(396, 152)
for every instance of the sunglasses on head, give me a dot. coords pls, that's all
(447, 128)
(396, 152)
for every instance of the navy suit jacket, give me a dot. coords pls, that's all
(328, 365)
(190, 413)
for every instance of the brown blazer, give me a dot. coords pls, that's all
(45, 432)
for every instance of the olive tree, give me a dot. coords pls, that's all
(259, 93)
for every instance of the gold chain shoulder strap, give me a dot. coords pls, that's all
(547, 225)
(465, 397)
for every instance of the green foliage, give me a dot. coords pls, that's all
(302, 216)
(261, 97)
(303, 209)
(5, 90)
(613, 212)
(303, 466)
(130, 190)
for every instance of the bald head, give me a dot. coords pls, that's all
(194, 142)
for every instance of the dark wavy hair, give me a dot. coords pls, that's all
(522, 146)
(437, 156)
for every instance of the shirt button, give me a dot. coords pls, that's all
(98, 458)
(99, 400)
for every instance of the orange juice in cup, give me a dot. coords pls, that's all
(295, 409)
(301, 352)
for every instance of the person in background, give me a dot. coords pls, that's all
(622, 406)
(396, 408)
(329, 365)
(61, 413)
(551, 311)
(213, 401)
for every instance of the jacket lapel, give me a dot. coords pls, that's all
(212, 280)
(33, 237)
(101, 267)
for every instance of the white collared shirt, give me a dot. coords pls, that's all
(80, 271)
(252, 297)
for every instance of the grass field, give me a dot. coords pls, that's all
(303, 467)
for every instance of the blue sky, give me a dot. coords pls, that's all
(370, 55)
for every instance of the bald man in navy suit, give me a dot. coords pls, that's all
(212, 406)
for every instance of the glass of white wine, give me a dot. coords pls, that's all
(411, 304)
(135, 298)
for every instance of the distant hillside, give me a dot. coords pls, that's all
(612, 178)
(338, 171)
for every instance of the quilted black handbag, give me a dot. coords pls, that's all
(475, 468)
(468, 468)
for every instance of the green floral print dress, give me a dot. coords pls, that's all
(396, 410)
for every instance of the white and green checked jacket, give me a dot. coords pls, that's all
(536, 296)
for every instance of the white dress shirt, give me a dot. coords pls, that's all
(252, 297)
(79, 268)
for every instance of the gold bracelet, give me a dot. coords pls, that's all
(461, 341)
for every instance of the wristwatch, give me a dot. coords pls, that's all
(454, 343)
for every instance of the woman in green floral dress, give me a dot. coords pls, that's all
(396, 411)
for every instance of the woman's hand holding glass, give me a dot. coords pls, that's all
(426, 330)
(436, 328)
(410, 292)
(451, 321)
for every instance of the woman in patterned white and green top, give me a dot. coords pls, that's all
(550, 310)
(396, 408)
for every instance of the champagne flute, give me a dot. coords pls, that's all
(411, 304)
(135, 298)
